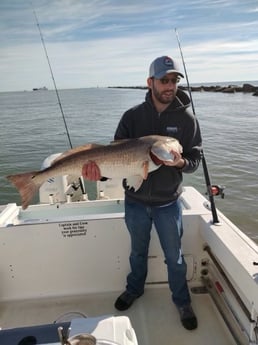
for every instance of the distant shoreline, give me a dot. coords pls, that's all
(231, 88)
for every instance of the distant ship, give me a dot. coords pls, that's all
(44, 88)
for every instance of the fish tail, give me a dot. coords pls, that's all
(26, 185)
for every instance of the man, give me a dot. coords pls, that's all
(166, 111)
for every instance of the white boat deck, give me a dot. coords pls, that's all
(81, 250)
(153, 316)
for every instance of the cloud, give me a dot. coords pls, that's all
(109, 42)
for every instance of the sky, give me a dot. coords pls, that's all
(100, 43)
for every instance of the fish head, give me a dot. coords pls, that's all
(163, 149)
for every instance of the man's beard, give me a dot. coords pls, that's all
(162, 97)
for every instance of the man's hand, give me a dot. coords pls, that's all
(90, 171)
(177, 162)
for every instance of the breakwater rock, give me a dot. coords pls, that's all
(245, 88)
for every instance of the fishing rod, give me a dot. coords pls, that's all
(56, 90)
(53, 78)
(210, 188)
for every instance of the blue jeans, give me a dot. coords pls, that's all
(168, 223)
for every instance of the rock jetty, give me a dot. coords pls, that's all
(245, 88)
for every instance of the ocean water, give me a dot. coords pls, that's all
(32, 128)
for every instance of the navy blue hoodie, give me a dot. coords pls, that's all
(164, 184)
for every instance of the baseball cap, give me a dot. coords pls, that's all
(163, 65)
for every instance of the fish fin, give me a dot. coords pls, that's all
(76, 150)
(26, 186)
(145, 169)
(134, 182)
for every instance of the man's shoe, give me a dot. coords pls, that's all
(125, 300)
(188, 318)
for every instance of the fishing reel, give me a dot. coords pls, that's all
(217, 190)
